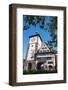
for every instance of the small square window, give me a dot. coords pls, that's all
(32, 45)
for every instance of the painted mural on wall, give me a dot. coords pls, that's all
(39, 44)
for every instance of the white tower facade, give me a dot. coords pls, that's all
(35, 43)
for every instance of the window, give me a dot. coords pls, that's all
(32, 56)
(41, 51)
(48, 50)
(32, 45)
(48, 58)
(45, 47)
(50, 62)
(38, 58)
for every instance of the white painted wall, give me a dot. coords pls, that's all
(31, 52)
(32, 47)
(4, 47)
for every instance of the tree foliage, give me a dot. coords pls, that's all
(45, 23)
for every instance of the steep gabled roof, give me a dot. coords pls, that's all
(35, 36)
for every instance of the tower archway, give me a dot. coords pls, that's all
(39, 65)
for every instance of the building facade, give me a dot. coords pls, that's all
(39, 55)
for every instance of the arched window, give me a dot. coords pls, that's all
(39, 65)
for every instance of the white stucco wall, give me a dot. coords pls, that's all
(32, 47)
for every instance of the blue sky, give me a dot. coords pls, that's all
(44, 34)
